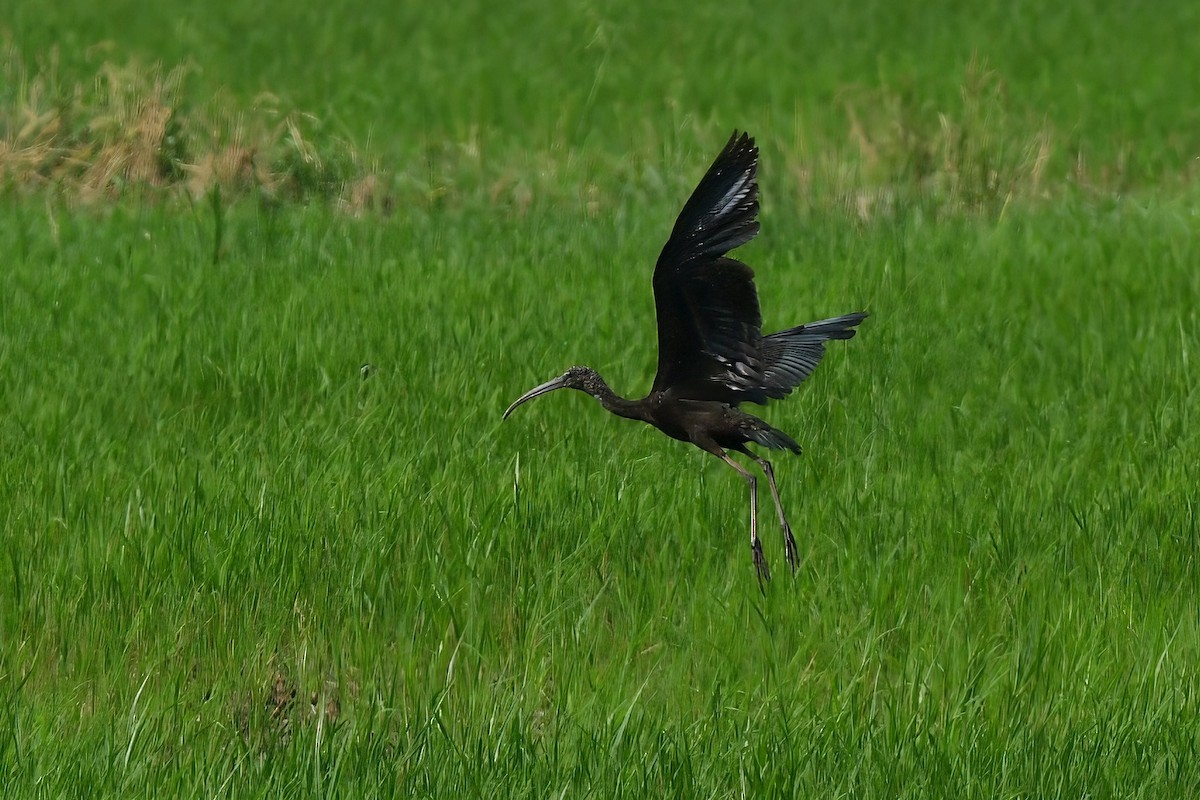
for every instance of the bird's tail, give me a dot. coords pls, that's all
(774, 439)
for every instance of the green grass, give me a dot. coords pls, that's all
(230, 566)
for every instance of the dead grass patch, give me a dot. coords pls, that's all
(272, 715)
(136, 128)
(976, 157)
(140, 129)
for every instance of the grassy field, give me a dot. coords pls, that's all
(231, 566)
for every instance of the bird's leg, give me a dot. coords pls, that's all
(789, 541)
(760, 561)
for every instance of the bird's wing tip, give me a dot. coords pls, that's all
(742, 141)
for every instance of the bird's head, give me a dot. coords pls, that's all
(584, 379)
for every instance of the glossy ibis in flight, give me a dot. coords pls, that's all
(712, 354)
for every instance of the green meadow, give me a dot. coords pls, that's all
(235, 563)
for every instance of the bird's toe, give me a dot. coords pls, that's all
(760, 562)
(789, 546)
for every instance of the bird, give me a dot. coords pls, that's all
(712, 355)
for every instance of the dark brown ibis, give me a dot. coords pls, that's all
(712, 354)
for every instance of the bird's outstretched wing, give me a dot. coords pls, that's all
(709, 325)
(790, 356)
(710, 342)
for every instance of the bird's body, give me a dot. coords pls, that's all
(712, 355)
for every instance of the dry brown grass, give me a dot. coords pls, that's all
(271, 716)
(134, 128)
(977, 157)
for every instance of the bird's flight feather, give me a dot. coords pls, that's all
(710, 342)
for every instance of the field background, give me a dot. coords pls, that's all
(230, 566)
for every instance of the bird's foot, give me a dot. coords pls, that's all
(789, 546)
(760, 564)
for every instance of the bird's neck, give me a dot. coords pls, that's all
(613, 402)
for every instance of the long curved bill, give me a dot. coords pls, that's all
(548, 386)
